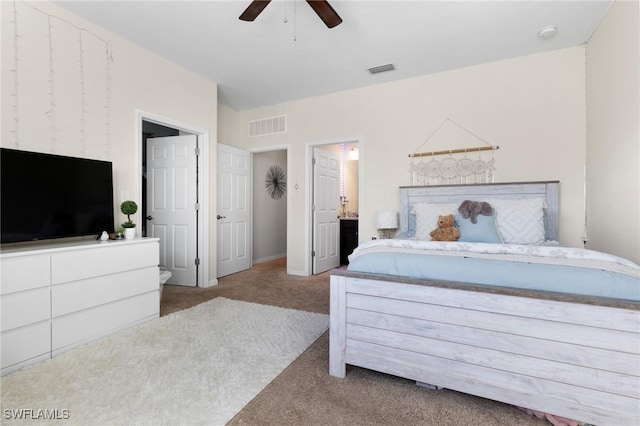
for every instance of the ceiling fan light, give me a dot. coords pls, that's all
(382, 68)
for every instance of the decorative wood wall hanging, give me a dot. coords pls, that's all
(456, 168)
(276, 182)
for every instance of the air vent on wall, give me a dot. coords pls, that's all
(268, 126)
(382, 68)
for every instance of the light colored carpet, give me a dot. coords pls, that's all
(196, 366)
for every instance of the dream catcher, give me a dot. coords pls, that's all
(457, 168)
(276, 182)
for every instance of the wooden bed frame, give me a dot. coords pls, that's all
(569, 355)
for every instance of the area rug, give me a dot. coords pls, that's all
(197, 366)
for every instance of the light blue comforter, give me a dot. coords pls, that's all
(554, 269)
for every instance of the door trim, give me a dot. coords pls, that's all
(204, 144)
(308, 200)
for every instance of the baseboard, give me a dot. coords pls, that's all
(211, 283)
(269, 258)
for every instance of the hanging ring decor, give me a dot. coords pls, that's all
(451, 171)
(276, 182)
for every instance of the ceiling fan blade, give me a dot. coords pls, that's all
(253, 10)
(325, 12)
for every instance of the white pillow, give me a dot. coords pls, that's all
(427, 216)
(520, 221)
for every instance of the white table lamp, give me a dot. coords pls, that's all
(386, 223)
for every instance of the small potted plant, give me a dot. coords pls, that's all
(120, 233)
(129, 207)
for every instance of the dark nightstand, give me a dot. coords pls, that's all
(348, 238)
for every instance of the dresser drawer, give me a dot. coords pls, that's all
(26, 343)
(79, 327)
(113, 257)
(27, 307)
(24, 273)
(79, 295)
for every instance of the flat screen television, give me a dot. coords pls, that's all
(45, 196)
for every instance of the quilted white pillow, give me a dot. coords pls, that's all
(520, 221)
(427, 217)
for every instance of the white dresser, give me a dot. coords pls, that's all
(56, 296)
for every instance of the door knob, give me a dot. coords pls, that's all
(149, 217)
(221, 217)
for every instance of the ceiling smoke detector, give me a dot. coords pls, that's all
(547, 32)
(382, 68)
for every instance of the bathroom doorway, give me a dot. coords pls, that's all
(348, 195)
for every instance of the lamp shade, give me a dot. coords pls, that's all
(387, 219)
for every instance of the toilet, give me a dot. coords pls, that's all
(164, 277)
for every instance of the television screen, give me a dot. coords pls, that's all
(45, 196)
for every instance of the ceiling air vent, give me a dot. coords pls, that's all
(268, 126)
(382, 68)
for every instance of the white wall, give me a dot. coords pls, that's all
(613, 133)
(269, 214)
(351, 185)
(64, 104)
(532, 107)
(232, 129)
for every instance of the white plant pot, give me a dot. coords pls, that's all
(129, 233)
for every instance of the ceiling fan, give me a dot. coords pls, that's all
(321, 7)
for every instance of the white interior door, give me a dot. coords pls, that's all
(326, 195)
(234, 210)
(171, 204)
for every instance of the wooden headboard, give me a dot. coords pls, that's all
(410, 195)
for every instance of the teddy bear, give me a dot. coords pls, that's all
(446, 230)
(472, 209)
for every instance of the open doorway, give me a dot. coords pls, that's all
(324, 239)
(262, 236)
(269, 206)
(172, 154)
